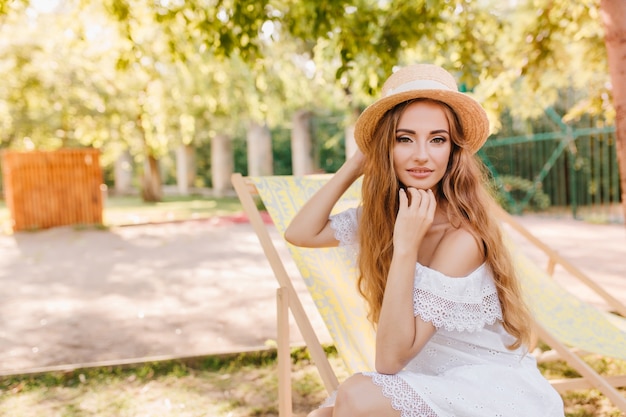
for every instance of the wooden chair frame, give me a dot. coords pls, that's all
(287, 300)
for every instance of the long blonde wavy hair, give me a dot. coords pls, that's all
(467, 203)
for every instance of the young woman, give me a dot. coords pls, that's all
(452, 331)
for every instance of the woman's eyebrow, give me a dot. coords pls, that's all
(413, 132)
(440, 131)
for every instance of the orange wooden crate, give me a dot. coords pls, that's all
(45, 189)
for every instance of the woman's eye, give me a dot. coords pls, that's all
(438, 139)
(403, 139)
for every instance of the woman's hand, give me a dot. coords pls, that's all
(311, 226)
(415, 216)
(356, 162)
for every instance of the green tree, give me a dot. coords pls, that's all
(551, 45)
(51, 97)
(186, 70)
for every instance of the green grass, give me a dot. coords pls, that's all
(120, 211)
(587, 403)
(222, 386)
(234, 385)
(132, 210)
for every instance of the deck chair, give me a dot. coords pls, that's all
(569, 326)
(329, 275)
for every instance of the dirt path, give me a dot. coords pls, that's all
(183, 289)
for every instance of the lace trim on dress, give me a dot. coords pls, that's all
(330, 400)
(345, 225)
(403, 397)
(461, 304)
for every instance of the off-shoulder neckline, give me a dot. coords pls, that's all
(470, 275)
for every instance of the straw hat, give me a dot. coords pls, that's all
(425, 81)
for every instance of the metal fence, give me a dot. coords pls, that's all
(573, 169)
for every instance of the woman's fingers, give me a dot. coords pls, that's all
(432, 204)
(420, 198)
(415, 216)
(404, 199)
(416, 198)
(422, 203)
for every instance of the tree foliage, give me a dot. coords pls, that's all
(149, 76)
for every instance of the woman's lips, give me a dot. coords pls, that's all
(419, 173)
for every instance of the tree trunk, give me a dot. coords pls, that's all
(151, 184)
(151, 190)
(613, 14)
(123, 173)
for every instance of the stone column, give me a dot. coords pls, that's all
(301, 144)
(350, 142)
(260, 159)
(222, 164)
(185, 168)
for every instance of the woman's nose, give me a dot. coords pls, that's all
(419, 152)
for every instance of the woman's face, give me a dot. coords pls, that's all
(422, 145)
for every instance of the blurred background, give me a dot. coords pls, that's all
(118, 112)
(176, 95)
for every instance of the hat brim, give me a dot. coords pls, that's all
(471, 114)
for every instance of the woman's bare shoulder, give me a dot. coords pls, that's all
(458, 253)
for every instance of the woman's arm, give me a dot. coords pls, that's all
(400, 335)
(311, 226)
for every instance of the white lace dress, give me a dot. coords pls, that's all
(465, 369)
